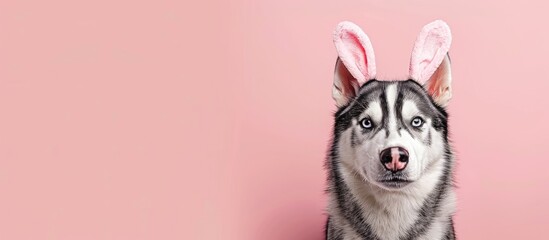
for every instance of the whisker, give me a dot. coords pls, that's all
(359, 103)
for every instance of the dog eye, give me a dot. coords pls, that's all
(366, 123)
(417, 122)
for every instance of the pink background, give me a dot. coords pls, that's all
(211, 119)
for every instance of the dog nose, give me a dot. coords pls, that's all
(394, 159)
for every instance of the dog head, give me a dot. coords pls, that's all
(391, 132)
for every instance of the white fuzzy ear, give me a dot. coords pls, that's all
(355, 64)
(430, 63)
(345, 85)
(439, 85)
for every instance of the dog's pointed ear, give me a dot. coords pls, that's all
(355, 63)
(430, 62)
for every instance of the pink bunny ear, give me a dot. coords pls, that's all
(355, 64)
(355, 51)
(430, 62)
(430, 49)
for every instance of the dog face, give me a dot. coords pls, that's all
(391, 132)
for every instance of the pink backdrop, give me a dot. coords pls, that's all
(211, 119)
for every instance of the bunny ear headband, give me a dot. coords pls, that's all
(429, 63)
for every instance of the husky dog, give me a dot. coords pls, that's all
(390, 164)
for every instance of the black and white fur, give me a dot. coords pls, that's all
(365, 200)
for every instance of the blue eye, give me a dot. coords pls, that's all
(417, 122)
(366, 123)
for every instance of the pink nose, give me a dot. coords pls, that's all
(394, 159)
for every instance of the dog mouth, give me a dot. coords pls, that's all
(395, 182)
